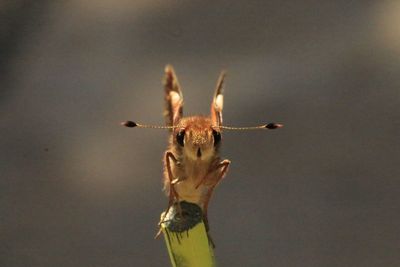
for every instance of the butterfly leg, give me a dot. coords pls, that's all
(222, 167)
(172, 194)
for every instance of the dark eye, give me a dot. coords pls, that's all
(180, 137)
(217, 137)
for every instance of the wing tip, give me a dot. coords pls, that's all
(169, 69)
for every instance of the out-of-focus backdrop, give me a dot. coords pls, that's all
(76, 189)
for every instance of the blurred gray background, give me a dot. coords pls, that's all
(76, 189)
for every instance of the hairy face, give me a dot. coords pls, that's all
(197, 137)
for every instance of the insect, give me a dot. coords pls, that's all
(192, 165)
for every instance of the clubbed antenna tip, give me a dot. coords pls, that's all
(272, 126)
(129, 124)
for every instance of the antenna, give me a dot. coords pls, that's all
(269, 126)
(132, 124)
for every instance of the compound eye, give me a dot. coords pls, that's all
(217, 137)
(180, 136)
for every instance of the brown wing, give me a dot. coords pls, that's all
(218, 101)
(173, 97)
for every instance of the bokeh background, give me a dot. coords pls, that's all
(76, 189)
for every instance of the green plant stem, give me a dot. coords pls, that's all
(186, 237)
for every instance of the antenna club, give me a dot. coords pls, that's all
(272, 126)
(129, 124)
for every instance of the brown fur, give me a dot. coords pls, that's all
(192, 170)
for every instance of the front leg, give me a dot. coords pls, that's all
(222, 167)
(205, 179)
(172, 194)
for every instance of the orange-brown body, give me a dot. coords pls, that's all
(195, 172)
